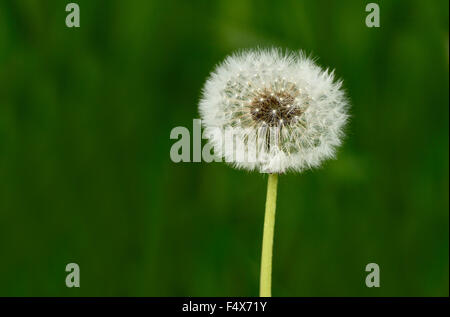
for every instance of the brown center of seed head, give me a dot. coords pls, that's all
(274, 108)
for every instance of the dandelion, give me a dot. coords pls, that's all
(285, 114)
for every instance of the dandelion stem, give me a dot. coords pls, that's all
(267, 245)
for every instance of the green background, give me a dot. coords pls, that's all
(86, 177)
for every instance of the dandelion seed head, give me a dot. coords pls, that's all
(291, 112)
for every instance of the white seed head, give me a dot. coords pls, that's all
(293, 117)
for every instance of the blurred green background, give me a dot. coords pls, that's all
(86, 177)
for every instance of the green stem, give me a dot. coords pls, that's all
(267, 245)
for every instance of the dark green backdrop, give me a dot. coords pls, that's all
(86, 177)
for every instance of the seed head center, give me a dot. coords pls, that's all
(274, 108)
